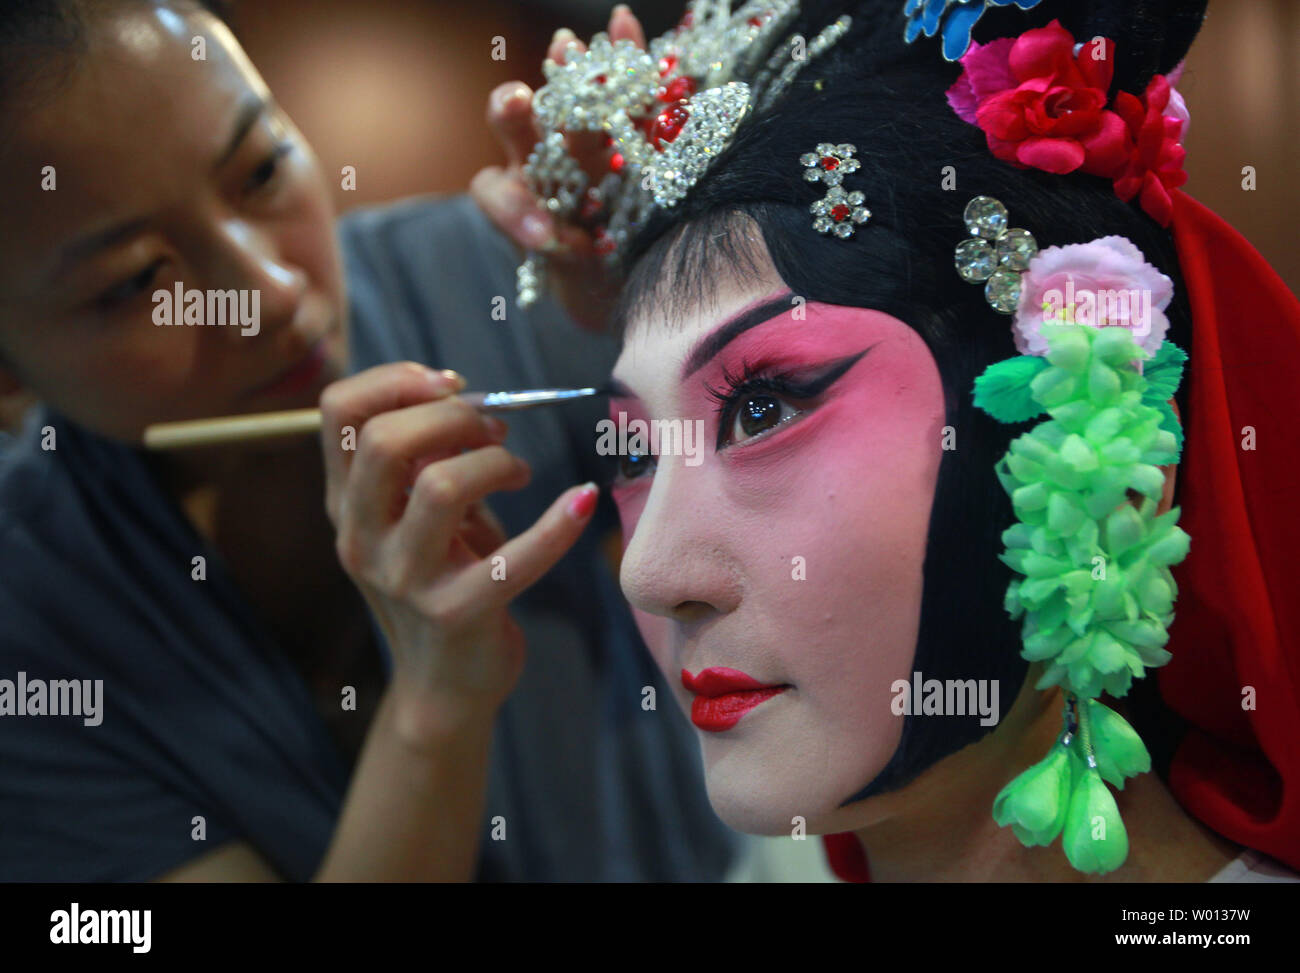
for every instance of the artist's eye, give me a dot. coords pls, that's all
(129, 288)
(264, 177)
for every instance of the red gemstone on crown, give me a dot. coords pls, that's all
(668, 124)
(840, 212)
(755, 21)
(830, 163)
(679, 90)
(590, 207)
(667, 65)
(601, 79)
(616, 162)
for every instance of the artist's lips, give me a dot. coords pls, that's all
(723, 696)
(299, 377)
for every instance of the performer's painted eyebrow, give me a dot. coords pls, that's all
(710, 345)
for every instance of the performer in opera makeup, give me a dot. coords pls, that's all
(977, 456)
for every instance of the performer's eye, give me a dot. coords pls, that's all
(757, 413)
(755, 402)
(635, 465)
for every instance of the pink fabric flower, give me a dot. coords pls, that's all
(1155, 165)
(1040, 104)
(987, 72)
(1105, 283)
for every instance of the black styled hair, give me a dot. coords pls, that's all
(38, 39)
(920, 164)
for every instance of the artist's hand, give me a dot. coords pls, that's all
(414, 534)
(577, 274)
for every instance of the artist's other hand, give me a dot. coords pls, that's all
(577, 275)
(414, 534)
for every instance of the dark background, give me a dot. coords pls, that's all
(398, 88)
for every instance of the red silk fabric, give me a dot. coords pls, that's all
(1237, 616)
(846, 857)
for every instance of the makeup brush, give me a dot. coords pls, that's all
(299, 422)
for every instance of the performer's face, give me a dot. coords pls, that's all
(141, 167)
(790, 548)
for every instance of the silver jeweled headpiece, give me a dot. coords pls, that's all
(667, 112)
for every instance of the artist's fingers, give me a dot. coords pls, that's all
(623, 26)
(530, 555)
(346, 406)
(441, 496)
(562, 41)
(391, 445)
(510, 117)
(505, 199)
(481, 530)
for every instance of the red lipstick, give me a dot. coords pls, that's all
(297, 378)
(723, 696)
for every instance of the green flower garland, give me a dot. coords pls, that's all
(1096, 593)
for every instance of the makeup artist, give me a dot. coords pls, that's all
(308, 671)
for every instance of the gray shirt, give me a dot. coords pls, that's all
(202, 713)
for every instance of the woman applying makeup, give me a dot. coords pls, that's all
(302, 669)
(850, 532)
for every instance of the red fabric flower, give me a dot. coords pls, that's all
(1155, 165)
(1052, 115)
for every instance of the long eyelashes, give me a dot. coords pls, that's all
(734, 390)
(751, 380)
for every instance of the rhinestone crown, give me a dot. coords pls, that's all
(667, 113)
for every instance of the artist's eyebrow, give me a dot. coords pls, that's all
(709, 346)
(250, 110)
(83, 247)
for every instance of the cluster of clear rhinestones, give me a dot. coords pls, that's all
(668, 112)
(580, 94)
(787, 61)
(995, 254)
(837, 212)
(555, 175)
(715, 113)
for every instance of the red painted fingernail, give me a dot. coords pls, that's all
(581, 506)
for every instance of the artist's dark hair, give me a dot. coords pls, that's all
(39, 39)
(887, 99)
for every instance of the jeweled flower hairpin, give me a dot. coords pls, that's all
(837, 212)
(667, 113)
(995, 255)
(1094, 589)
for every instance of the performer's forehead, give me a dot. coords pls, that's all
(686, 271)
